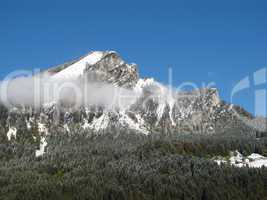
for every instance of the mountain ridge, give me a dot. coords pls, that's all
(155, 107)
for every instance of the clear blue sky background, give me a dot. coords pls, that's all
(220, 41)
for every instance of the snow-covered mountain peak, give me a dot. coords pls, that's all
(98, 66)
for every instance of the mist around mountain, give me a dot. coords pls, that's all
(96, 130)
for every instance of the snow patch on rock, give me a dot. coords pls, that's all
(41, 151)
(98, 123)
(42, 128)
(12, 132)
(125, 120)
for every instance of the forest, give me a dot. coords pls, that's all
(122, 164)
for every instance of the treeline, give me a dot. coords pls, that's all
(84, 165)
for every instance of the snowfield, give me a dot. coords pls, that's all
(77, 69)
(238, 160)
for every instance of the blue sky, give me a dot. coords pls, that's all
(203, 41)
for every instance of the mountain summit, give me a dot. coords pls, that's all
(107, 66)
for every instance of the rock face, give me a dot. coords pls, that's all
(155, 109)
(112, 69)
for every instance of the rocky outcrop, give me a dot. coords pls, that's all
(112, 69)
